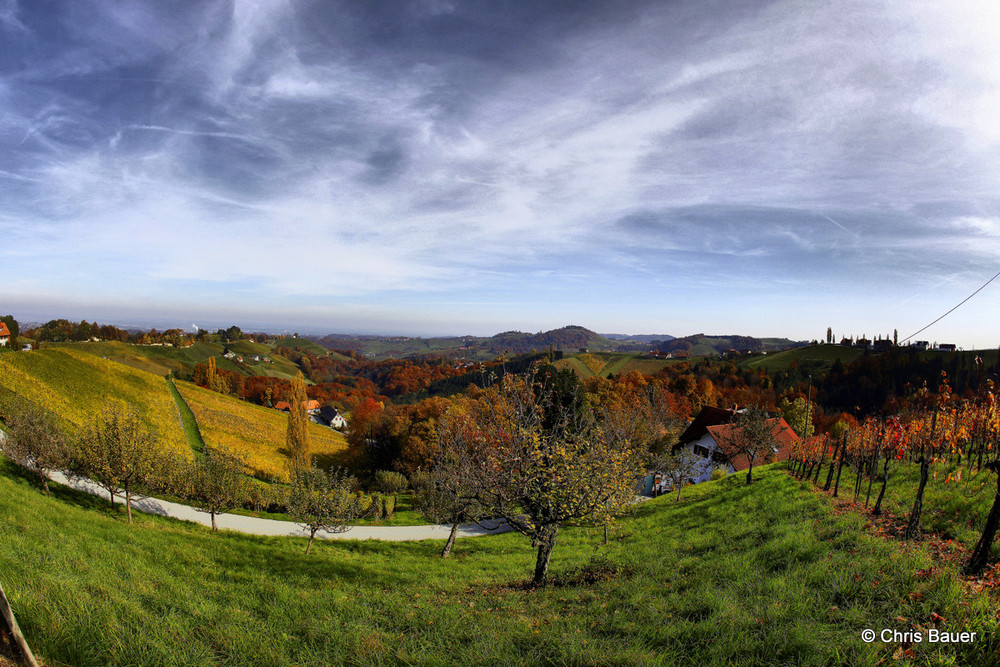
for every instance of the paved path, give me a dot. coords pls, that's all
(254, 526)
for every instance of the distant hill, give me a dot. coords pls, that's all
(702, 345)
(569, 339)
(640, 338)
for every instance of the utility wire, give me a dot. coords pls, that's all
(953, 309)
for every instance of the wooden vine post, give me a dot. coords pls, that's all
(22, 652)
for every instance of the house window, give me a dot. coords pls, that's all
(701, 451)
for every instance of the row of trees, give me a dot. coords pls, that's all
(961, 433)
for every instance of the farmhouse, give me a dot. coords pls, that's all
(710, 435)
(329, 416)
(4, 334)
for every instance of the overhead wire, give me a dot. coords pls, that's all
(981, 287)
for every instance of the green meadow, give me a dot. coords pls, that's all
(730, 575)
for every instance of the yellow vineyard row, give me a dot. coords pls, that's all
(254, 433)
(77, 386)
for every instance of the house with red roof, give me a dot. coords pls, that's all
(4, 335)
(711, 435)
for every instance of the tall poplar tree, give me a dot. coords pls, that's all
(297, 437)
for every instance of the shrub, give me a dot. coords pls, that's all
(719, 473)
(388, 481)
(388, 506)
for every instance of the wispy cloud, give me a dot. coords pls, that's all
(339, 153)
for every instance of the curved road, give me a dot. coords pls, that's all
(254, 526)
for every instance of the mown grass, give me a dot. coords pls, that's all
(731, 575)
(188, 421)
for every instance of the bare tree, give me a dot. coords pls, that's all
(679, 468)
(35, 442)
(322, 500)
(446, 493)
(117, 452)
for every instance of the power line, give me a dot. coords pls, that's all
(953, 309)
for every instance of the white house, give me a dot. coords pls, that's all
(4, 334)
(710, 435)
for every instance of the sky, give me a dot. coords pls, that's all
(432, 167)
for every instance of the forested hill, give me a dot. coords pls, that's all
(568, 339)
(702, 345)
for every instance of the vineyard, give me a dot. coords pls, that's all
(934, 469)
(256, 434)
(77, 386)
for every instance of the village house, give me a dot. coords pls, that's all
(710, 436)
(4, 334)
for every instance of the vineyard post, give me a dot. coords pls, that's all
(9, 625)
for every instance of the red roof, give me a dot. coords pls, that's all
(4, 331)
(784, 438)
(306, 405)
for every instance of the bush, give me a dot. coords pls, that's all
(719, 473)
(388, 481)
(388, 506)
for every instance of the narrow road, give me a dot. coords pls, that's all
(254, 526)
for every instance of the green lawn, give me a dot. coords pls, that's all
(731, 575)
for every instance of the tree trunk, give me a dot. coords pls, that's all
(111, 493)
(451, 541)
(605, 532)
(128, 504)
(977, 562)
(212, 514)
(22, 652)
(546, 542)
(833, 464)
(913, 526)
(840, 468)
(881, 494)
(750, 474)
(312, 534)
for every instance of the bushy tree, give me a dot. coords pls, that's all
(540, 464)
(217, 484)
(117, 451)
(322, 500)
(35, 442)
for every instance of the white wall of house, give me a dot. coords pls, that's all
(707, 443)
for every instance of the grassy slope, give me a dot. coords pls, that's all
(730, 575)
(77, 385)
(610, 363)
(818, 358)
(256, 433)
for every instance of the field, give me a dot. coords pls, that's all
(603, 364)
(164, 359)
(255, 433)
(77, 386)
(815, 358)
(730, 575)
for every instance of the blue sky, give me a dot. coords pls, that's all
(449, 167)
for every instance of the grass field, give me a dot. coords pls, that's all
(604, 364)
(731, 575)
(815, 358)
(77, 386)
(255, 433)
